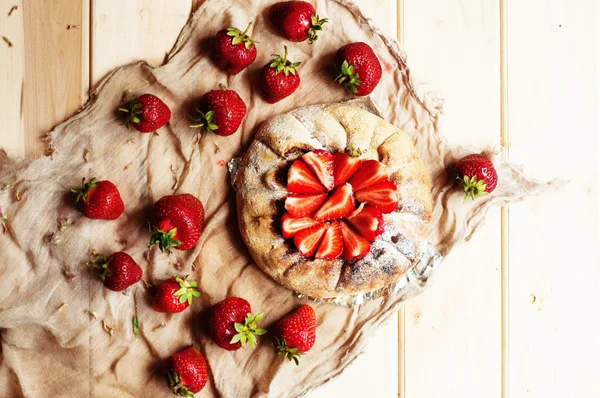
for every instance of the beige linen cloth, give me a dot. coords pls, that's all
(57, 318)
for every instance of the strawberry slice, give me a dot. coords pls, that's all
(382, 195)
(371, 172)
(355, 246)
(321, 163)
(344, 166)
(368, 222)
(332, 245)
(291, 225)
(302, 180)
(308, 239)
(339, 204)
(303, 205)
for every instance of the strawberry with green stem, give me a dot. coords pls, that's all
(279, 78)
(99, 199)
(175, 295)
(119, 271)
(177, 222)
(188, 372)
(359, 69)
(296, 20)
(147, 113)
(476, 175)
(232, 324)
(234, 50)
(296, 333)
(220, 112)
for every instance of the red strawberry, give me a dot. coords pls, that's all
(232, 324)
(302, 180)
(332, 245)
(147, 113)
(279, 78)
(291, 225)
(296, 333)
(307, 240)
(99, 200)
(177, 221)
(174, 295)
(371, 172)
(339, 204)
(355, 246)
(296, 20)
(188, 372)
(359, 68)
(321, 163)
(344, 166)
(234, 50)
(368, 222)
(382, 195)
(220, 111)
(303, 205)
(476, 175)
(119, 272)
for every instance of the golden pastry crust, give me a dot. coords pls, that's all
(260, 185)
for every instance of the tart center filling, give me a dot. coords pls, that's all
(335, 204)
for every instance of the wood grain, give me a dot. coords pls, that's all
(128, 31)
(55, 73)
(452, 341)
(554, 266)
(11, 78)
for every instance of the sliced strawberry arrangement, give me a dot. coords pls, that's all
(321, 163)
(299, 205)
(340, 203)
(343, 167)
(355, 246)
(368, 222)
(383, 195)
(369, 173)
(307, 241)
(302, 180)
(335, 204)
(332, 245)
(291, 225)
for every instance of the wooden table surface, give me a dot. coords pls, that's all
(513, 313)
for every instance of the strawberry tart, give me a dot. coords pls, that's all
(333, 200)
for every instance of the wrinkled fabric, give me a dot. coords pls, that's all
(56, 315)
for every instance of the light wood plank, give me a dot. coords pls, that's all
(55, 77)
(11, 77)
(552, 103)
(452, 342)
(127, 31)
(380, 360)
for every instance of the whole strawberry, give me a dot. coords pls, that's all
(234, 50)
(147, 113)
(279, 78)
(296, 20)
(476, 175)
(188, 372)
(99, 200)
(120, 271)
(359, 68)
(176, 221)
(232, 324)
(174, 295)
(296, 333)
(220, 111)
